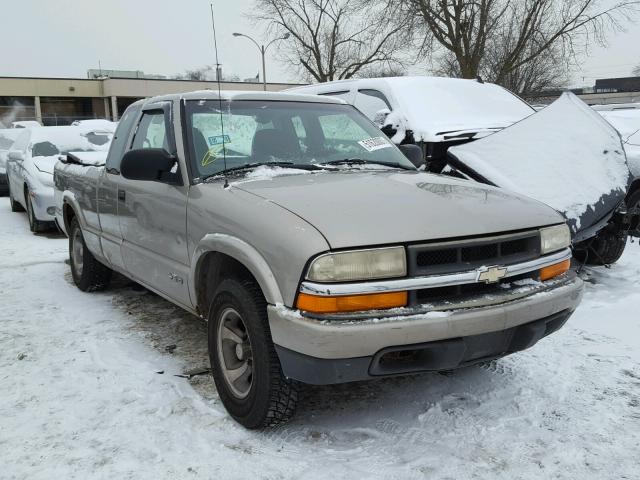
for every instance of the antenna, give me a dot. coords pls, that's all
(224, 147)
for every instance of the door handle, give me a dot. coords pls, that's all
(121, 195)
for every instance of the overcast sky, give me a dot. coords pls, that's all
(64, 38)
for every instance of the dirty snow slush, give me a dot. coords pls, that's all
(88, 389)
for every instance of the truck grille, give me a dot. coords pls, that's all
(463, 255)
(459, 256)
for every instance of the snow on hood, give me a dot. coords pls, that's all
(627, 122)
(46, 164)
(433, 106)
(566, 156)
(68, 139)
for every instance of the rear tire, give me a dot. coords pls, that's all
(15, 206)
(35, 225)
(240, 341)
(89, 274)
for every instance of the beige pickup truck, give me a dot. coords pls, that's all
(313, 247)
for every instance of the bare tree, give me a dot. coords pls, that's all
(332, 39)
(636, 71)
(502, 40)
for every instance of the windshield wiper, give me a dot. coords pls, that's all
(363, 161)
(247, 166)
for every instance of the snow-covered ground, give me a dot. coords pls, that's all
(87, 390)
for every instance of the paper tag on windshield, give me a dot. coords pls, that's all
(374, 143)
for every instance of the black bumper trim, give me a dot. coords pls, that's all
(423, 357)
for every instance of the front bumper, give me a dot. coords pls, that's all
(43, 203)
(320, 351)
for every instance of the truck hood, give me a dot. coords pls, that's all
(565, 155)
(361, 208)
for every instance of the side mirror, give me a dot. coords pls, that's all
(17, 155)
(150, 164)
(413, 153)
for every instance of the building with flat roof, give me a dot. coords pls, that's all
(60, 101)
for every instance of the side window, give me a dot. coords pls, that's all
(152, 131)
(119, 142)
(370, 102)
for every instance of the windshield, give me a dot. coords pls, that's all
(299, 133)
(74, 142)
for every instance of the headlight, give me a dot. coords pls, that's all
(359, 265)
(554, 238)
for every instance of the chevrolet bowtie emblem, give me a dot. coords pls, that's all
(491, 274)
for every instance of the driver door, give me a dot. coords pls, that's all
(152, 215)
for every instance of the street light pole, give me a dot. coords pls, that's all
(264, 69)
(263, 51)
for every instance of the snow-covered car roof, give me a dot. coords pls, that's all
(433, 106)
(25, 124)
(96, 124)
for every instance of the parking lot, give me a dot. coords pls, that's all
(90, 389)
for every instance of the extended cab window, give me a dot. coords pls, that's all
(152, 131)
(119, 143)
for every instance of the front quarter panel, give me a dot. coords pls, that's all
(273, 243)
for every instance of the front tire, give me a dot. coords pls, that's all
(245, 366)
(89, 274)
(35, 225)
(15, 206)
(605, 248)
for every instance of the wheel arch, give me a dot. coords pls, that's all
(70, 210)
(633, 188)
(218, 256)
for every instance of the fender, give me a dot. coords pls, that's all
(91, 235)
(69, 198)
(243, 253)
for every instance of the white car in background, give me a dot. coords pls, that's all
(30, 167)
(7, 137)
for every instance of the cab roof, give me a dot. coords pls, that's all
(243, 95)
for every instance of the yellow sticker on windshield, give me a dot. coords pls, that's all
(209, 158)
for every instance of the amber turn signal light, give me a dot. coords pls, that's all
(551, 271)
(350, 303)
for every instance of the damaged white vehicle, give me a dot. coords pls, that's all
(564, 155)
(30, 168)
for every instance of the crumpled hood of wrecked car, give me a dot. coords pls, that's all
(355, 208)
